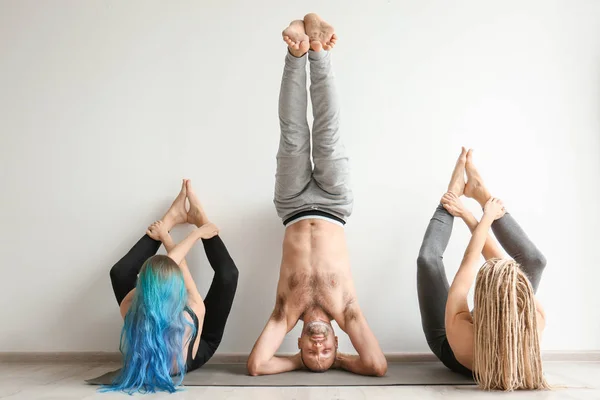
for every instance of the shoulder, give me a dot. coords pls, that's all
(287, 312)
(126, 303)
(352, 313)
(197, 307)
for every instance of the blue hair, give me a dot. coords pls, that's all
(152, 336)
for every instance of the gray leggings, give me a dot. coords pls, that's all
(432, 283)
(298, 187)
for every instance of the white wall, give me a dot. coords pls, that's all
(105, 105)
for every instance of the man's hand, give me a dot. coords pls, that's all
(297, 360)
(337, 364)
(357, 365)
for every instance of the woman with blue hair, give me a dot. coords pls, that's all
(169, 330)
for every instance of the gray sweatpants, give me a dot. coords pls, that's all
(299, 187)
(432, 283)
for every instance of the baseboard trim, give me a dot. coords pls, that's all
(239, 358)
(60, 357)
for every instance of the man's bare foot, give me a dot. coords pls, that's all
(157, 231)
(453, 205)
(196, 215)
(321, 35)
(475, 187)
(296, 38)
(177, 214)
(457, 182)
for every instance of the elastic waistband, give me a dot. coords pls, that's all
(318, 214)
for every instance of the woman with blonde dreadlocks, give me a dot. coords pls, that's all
(498, 344)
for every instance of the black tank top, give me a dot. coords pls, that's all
(190, 364)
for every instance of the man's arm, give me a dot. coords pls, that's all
(370, 359)
(262, 360)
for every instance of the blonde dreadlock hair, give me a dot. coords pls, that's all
(506, 354)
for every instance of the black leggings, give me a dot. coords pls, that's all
(218, 300)
(432, 283)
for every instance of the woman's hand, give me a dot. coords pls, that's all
(157, 231)
(453, 205)
(494, 208)
(208, 230)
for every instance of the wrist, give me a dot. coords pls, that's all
(467, 215)
(487, 218)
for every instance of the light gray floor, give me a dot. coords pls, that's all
(65, 381)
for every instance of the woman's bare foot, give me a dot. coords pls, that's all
(177, 214)
(196, 215)
(296, 38)
(475, 187)
(457, 182)
(321, 35)
(453, 205)
(157, 231)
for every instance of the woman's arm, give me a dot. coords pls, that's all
(454, 206)
(490, 248)
(457, 294)
(177, 252)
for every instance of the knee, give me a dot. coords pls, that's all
(290, 144)
(229, 275)
(115, 273)
(536, 261)
(427, 259)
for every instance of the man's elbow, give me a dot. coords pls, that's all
(379, 367)
(380, 370)
(253, 367)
